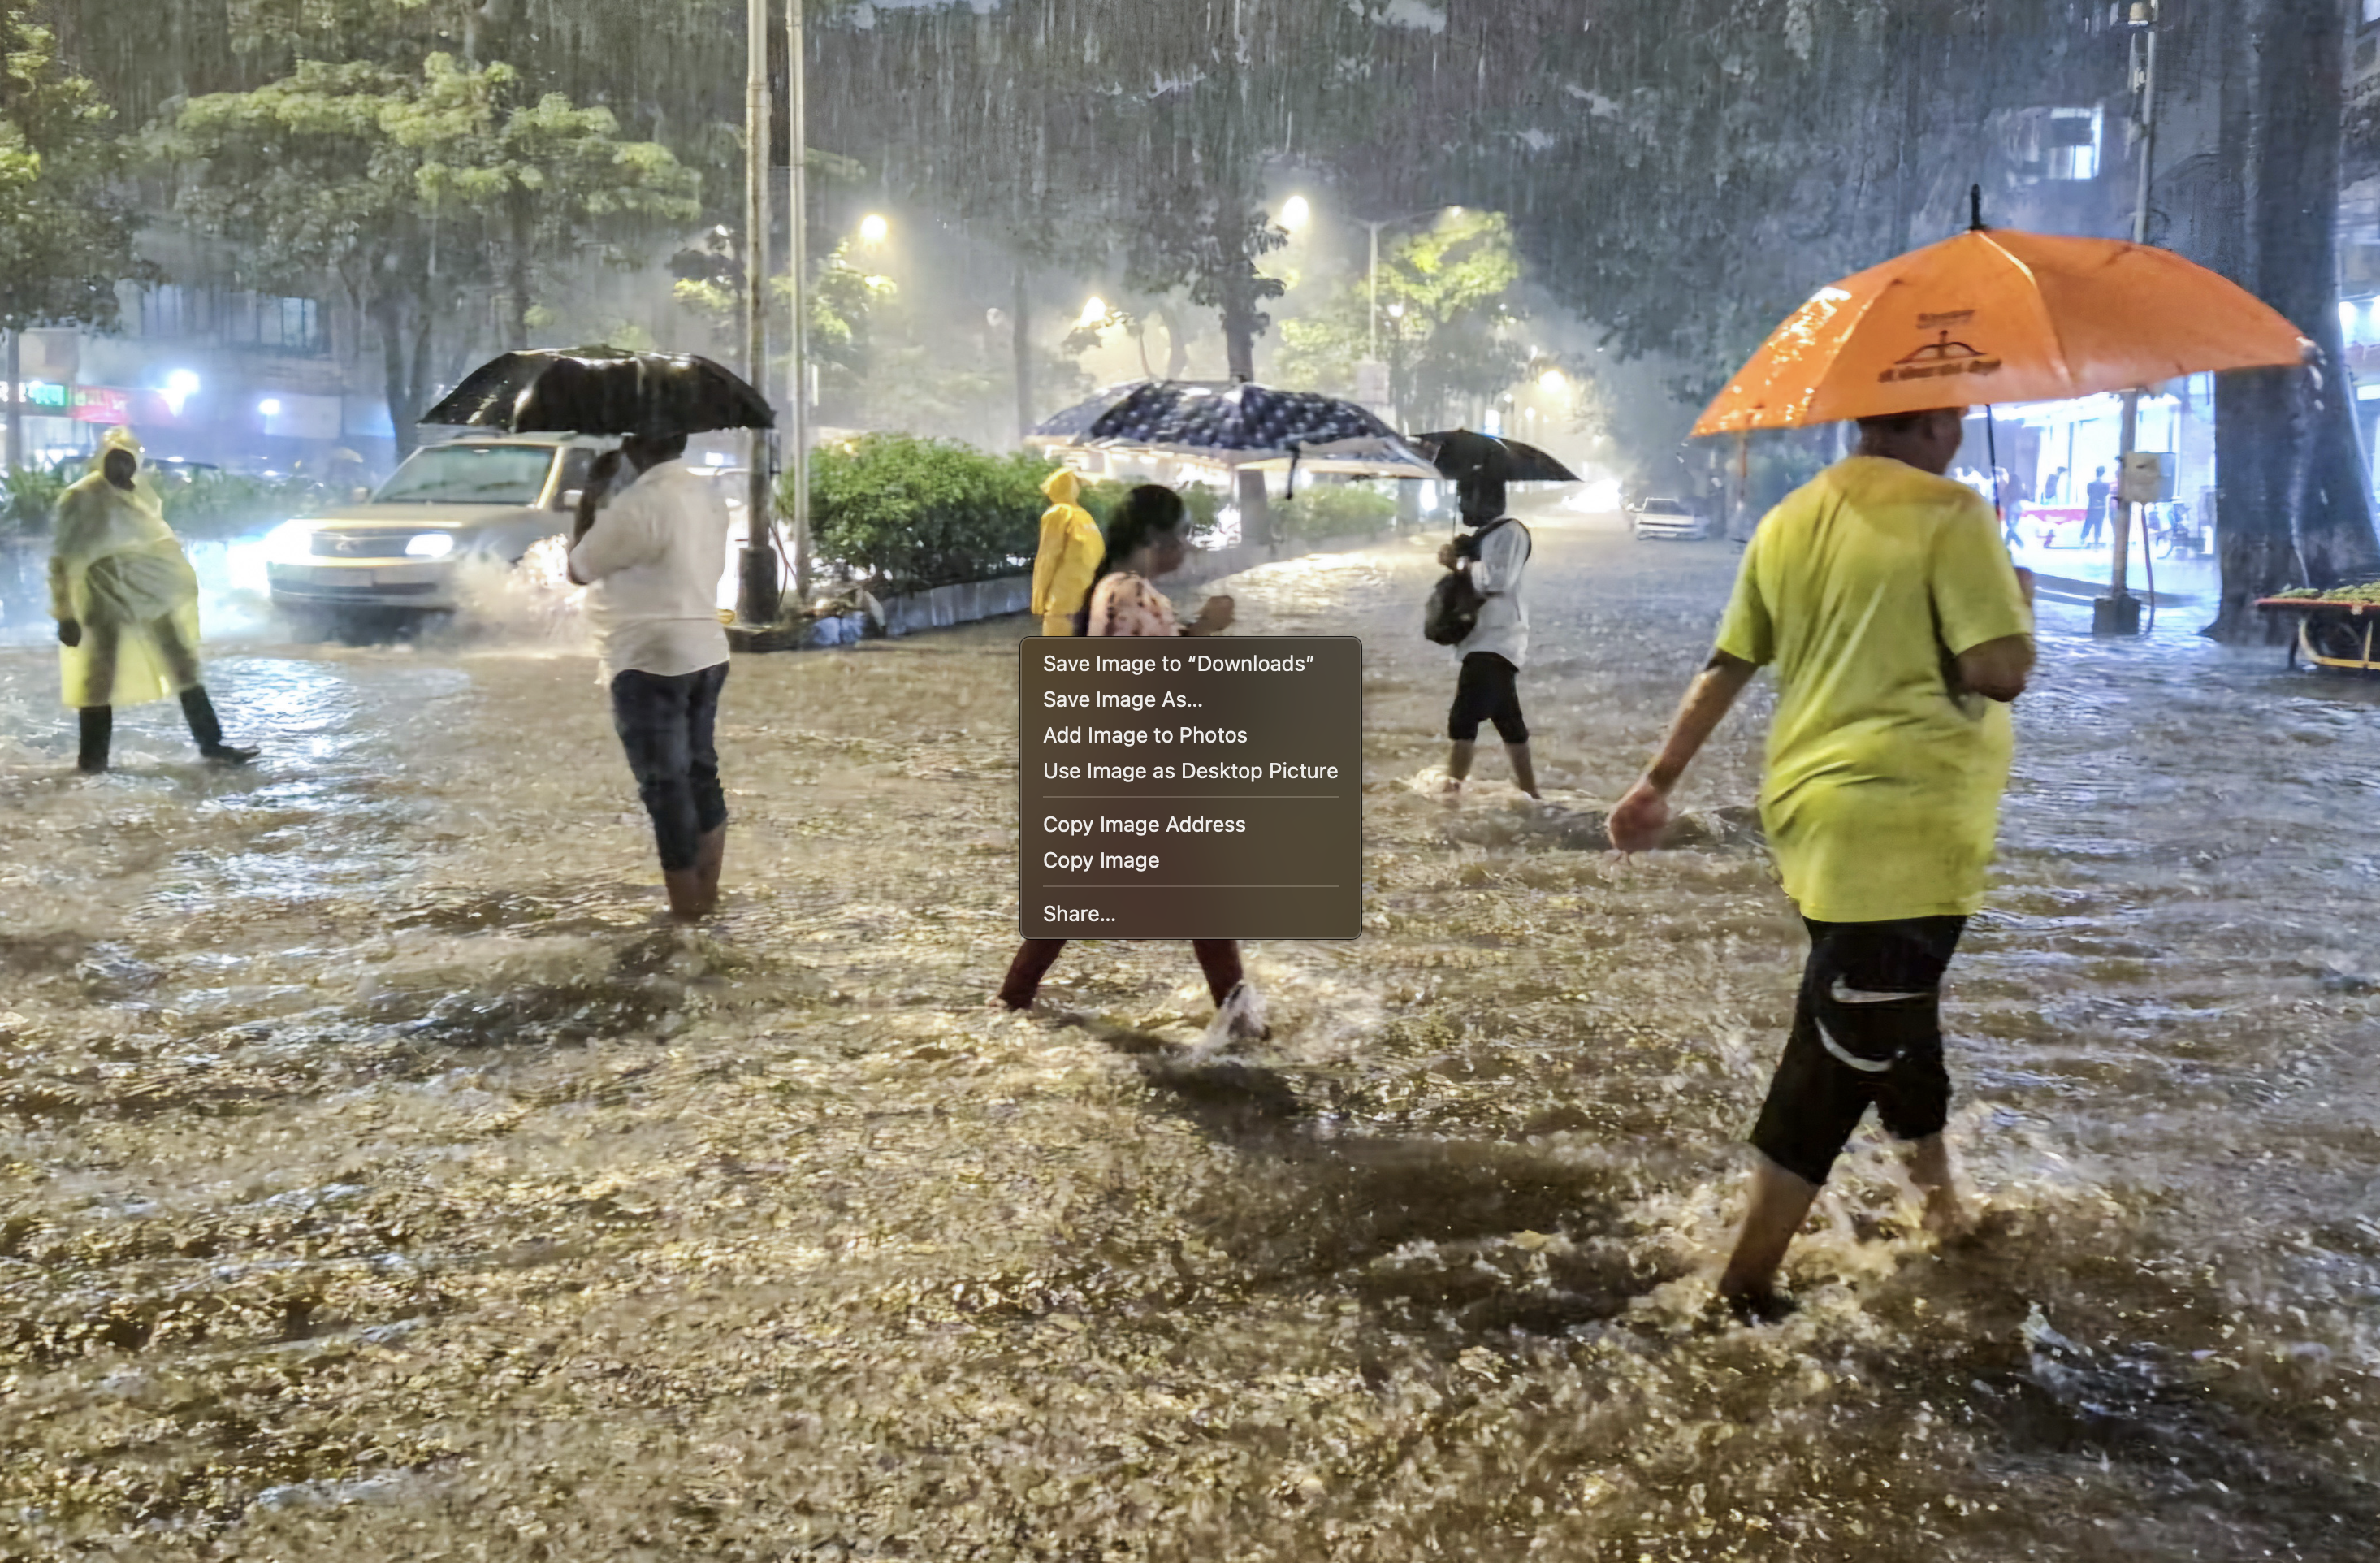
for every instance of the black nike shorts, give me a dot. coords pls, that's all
(1867, 1031)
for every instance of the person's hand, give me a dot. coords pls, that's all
(1639, 820)
(70, 632)
(1216, 616)
(1447, 557)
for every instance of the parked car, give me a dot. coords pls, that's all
(448, 506)
(1668, 519)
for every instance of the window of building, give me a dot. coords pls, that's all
(2072, 143)
(230, 318)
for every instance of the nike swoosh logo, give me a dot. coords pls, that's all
(1841, 994)
(1845, 1056)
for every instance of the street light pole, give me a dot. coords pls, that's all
(2118, 613)
(1372, 284)
(797, 269)
(756, 576)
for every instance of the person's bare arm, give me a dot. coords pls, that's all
(1997, 669)
(1638, 821)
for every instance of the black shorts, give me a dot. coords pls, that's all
(1867, 1030)
(1486, 692)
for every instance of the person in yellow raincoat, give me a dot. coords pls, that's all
(127, 602)
(1070, 556)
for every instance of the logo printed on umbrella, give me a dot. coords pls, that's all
(1939, 358)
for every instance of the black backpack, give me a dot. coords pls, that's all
(1453, 612)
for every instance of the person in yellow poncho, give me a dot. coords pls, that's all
(127, 602)
(1071, 552)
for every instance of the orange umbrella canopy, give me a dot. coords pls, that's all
(1996, 315)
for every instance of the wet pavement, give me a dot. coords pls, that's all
(378, 1178)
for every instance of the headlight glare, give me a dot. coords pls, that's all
(290, 540)
(431, 545)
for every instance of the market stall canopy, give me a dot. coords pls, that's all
(1234, 425)
(603, 391)
(1997, 315)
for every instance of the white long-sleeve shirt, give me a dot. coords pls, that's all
(1503, 623)
(654, 559)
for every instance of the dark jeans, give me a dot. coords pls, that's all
(1219, 958)
(666, 725)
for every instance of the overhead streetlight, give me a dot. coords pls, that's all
(1294, 213)
(1552, 384)
(1397, 310)
(874, 229)
(270, 406)
(1095, 309)
(180, 386)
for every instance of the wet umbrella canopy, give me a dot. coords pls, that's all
(1234, 425)
(1458, 454)
(603, 391)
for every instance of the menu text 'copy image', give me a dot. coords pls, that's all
(1192, 788)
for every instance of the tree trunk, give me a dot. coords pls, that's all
(517, 282)
(1021, 345)
(396, 384)
(12, 379)
(2293, 496)
(1239, 323)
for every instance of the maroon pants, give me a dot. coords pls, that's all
(1219, 958)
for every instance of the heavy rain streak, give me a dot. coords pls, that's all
(517, 521)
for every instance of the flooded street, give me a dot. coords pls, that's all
(381, 1180)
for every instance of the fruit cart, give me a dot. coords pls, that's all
(2338, 628)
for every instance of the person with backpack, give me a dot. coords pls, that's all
(1487, 568)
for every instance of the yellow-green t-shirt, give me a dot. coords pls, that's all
(1883, 790)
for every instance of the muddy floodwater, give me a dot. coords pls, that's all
(379, 1180)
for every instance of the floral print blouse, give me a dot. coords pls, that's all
(1126, 604)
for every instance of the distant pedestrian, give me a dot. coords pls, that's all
(2095, 506)
(1488, 687)
(2055, 485)
(126, 603)
(1899, 632)
(1144, 541)
(1068, 559)
(653, 557)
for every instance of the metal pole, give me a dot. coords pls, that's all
(2121, 615)
(757, 569)
(1372, 282)
(797, 271)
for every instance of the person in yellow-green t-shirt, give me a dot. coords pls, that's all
(1899, 632)
(1069, 557)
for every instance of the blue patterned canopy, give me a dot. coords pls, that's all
(1232, 424)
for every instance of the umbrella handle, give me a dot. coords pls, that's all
(1974, 208)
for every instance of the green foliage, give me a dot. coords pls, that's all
(907, 514)
(28, 498)
(65, 230)
(1333, 510)
(1204, 504)
(214, 506)
(1446, 296)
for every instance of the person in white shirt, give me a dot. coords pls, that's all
(1497, 557)
(651, 559)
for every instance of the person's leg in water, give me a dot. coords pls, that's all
(99, 643)
(709, 798)
(98, 730)
(1227, 981)
(182, 665)
(1023, 984)
(648, 711)
(1866, 1031)
(1486, 691)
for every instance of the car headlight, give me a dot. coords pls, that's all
(290, 541)
(431, 545)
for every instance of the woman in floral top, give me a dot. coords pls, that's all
(1145, 541)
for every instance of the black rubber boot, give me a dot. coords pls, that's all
(98, 728)
(208, 730)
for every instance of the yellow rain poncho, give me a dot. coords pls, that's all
(1071, 550)
(117, 569)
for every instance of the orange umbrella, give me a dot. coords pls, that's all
(1996, 315)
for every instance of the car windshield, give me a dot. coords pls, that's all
(1664, 507)
(469, 474)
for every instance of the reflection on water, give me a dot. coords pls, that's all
(380, 1175)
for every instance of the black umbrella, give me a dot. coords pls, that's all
(603, 391)
(1232, 424)
(1459, 453)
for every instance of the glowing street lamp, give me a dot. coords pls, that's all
(1095, 309)
(1294, 213)
(1552, 384)
(874, 229)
